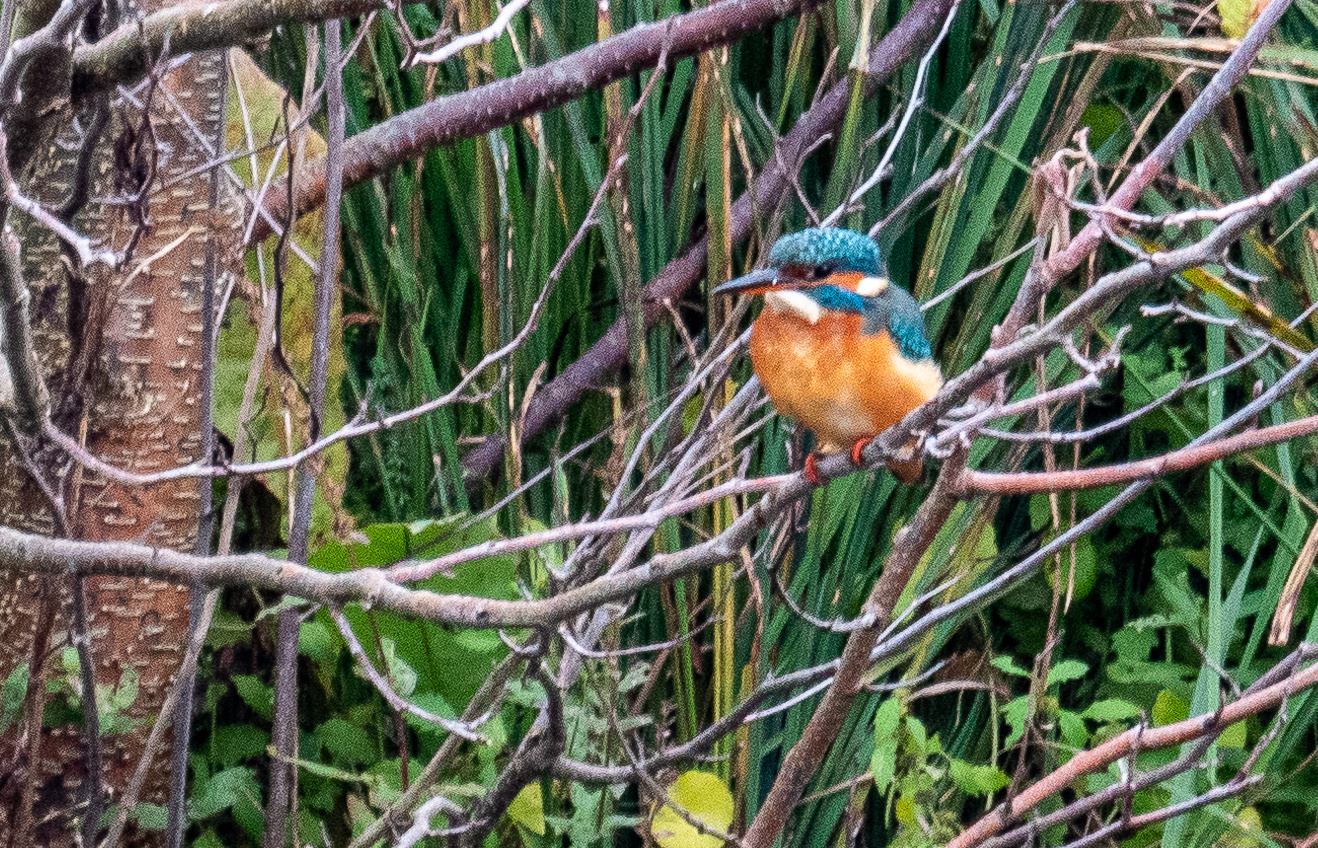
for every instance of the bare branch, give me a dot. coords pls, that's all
(1006, 483)
(471, 39)
(1042, 280)
(124, 55)
(87, 254)
(915, 103)
(1146, 739)
(383, 686)
(1009, 579)
(478, 110)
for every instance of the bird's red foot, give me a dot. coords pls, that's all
(812, 470)
(858, 451)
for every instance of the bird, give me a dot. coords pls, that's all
(838, 346)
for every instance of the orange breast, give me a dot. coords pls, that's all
(835, 380)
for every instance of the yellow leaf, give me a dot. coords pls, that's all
(258, 108)
(906, 810)
(1239, 15)
(528, 809)
(704, 798)
(1238, 301)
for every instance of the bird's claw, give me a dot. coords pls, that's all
(857, 455)
(812, 470)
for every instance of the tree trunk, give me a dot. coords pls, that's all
(122, 351)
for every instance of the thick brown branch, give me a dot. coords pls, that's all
(803, 760)
(470, 113)
(1000, 483)
(124, 55)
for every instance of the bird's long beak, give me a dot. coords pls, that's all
(756, 282)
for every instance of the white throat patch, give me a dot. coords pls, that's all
(795, 302)
(870, 286)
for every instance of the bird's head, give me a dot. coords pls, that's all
(822, 263)
(830, 270)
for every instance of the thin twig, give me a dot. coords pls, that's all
(471, 39)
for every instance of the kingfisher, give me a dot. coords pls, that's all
(838, 347)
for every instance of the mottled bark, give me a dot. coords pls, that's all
(122, 353)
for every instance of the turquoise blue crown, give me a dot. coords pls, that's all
(844, 250)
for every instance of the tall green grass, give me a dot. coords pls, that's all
(443, 257)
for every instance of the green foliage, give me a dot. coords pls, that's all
(417, 655)
(11, 695)
(234, 789)
(444, 257)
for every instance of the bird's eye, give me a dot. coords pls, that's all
(821, 271)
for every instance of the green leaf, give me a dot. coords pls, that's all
(919, 736)
(69, 659)
(1067, 670)
(11, 695)
(150, 816)
(1234, 736)
(1014, 712)
(705, 798)
(1111, 710)
(385, 780)
(227, 628)
(225, 789)
(886, 719)
(317, 642)
(233, 743)
(125, 693)
(451, 663)
(883, 763)
(259, 697)
(1081, 582)
(1102, 121)
(1073, 728)
(113, 702)
(401, 674)
(1169, 708)
(977, 780)
(431, 702)
(346, 742)
(208, 839)
(1007, 665)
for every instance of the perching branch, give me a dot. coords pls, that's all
(819, 734)
(34, 553)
